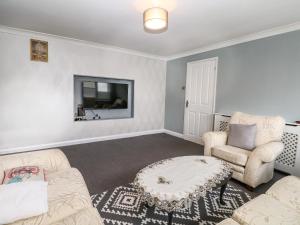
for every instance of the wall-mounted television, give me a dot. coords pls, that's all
(104, 95)
(101, 98)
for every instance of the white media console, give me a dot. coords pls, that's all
(289, 160)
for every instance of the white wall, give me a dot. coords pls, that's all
(36, 99)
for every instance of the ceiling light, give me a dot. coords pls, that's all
(156, 19)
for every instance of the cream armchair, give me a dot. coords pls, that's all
(250, 167)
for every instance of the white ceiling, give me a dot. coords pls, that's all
(192, 23)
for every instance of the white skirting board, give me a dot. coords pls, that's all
(289, 160)
(182, 136)
(78, 141)
(173, 133)
(86, 140)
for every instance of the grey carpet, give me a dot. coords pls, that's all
(108, 164)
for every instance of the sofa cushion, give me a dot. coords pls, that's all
(50, 160)
(67, 194)
(23, 174)
(265, 210)
(231, 154)
(22, 200)
(89, 216)
(287, 191)
(228, 222)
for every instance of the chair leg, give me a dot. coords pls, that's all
(250, 188)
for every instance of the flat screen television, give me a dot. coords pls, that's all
(104, 95)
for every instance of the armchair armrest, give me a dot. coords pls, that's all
(268, 152)
(212, 139)
(260, 167)
(51, 160)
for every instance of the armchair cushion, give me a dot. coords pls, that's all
(231, 154)
(269, 128)
(237, 168)
(242, 136)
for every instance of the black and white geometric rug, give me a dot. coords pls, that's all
(123, 206)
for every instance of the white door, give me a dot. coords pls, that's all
(200, 98)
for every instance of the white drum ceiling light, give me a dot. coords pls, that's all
(156, 19)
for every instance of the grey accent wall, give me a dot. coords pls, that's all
(259, 77)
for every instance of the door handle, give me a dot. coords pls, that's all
(187, 103)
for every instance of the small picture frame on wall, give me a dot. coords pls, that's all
(38, 50)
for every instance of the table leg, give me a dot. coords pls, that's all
(223, 187)
(146, 205)
(170, 217)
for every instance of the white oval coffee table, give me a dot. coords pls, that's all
(174, 183)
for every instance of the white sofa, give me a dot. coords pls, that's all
(250, 167)
(279, 206)
(69, 201)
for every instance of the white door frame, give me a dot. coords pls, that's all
(216, 59)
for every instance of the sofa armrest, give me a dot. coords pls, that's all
(212, 139)
(268, 152)
(51, 160)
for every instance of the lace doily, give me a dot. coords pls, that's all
(173, 183)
